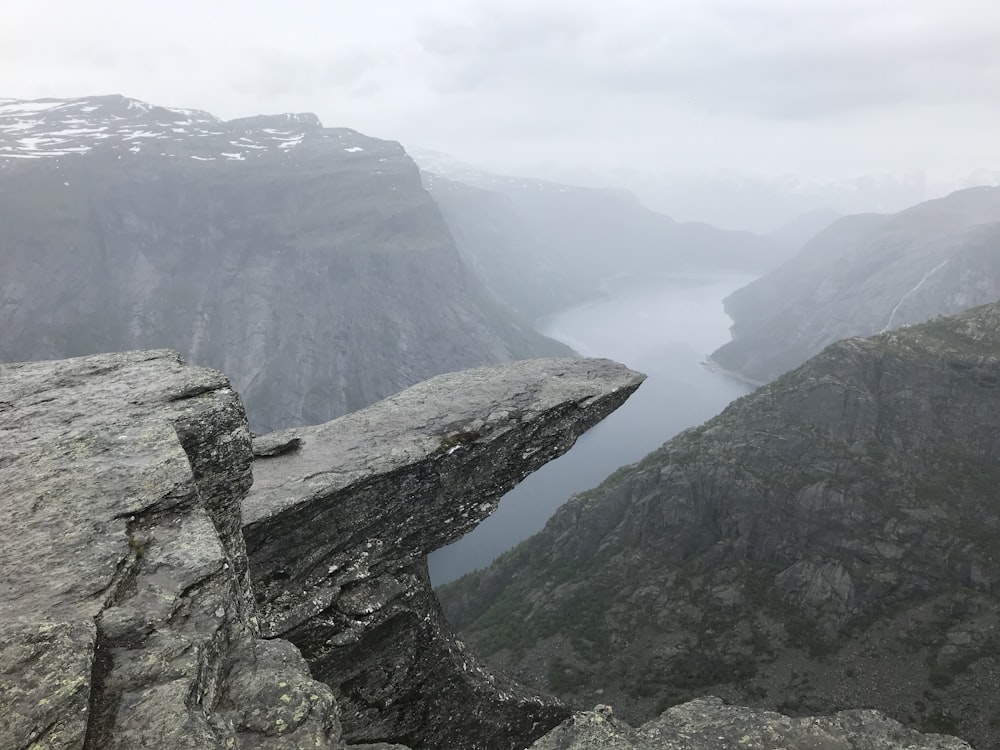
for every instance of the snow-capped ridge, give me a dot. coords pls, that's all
(52, 128)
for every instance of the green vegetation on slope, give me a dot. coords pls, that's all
(832, 540)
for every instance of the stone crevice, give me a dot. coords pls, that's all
(101, 707)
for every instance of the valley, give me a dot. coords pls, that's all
(662, 325)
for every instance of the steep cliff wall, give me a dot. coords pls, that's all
(306, 262)
(125, 606)
(339, 528)
(827, 542)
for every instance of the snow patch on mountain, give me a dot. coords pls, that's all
(52, 128)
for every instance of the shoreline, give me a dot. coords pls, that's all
(711, 365)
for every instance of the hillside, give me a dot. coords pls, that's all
(865, 274)
(827, 542)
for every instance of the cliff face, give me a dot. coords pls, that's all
(306, 262)
(126, 609)
(864, 275)
(134, 614)
(827, 542)
(338, 531)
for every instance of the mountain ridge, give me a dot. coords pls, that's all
(307, 262)
(865, 274)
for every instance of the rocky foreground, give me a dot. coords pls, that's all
(149, 598)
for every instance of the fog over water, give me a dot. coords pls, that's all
(664, 326)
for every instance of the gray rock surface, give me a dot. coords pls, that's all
(308, 263)
(827, 542)
(866, 274)
(128, 615)
(709, 724)
(124, 601)
(45, 672)
(338, 531)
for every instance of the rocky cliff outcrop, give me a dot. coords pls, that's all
(866, 274)
(125, 604)
(338, 530)
(132, 615)
(308, 263)
(828, 542)
(139, 606)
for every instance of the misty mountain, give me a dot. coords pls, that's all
(737, 200)
(307, 262)
(543, 246)
(801, 229)
(865, 274)
(829, 541)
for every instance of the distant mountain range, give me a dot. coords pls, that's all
(307, 262)
(865, 274)
(763, 204)
(543, 246)
(800, 230)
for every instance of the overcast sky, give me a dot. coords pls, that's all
(824, 89)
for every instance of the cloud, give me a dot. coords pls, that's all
(816, 87)
(782, 60)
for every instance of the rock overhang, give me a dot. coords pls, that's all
(123, 478)
(342, 516)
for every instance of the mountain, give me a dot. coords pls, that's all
(543, 246)
(865, 274)
(830, 541)
(738, 200)
(801, 229)
(308, 262)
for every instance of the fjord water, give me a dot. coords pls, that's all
(664, 326)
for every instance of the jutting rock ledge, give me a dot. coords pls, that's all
(150, 598)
